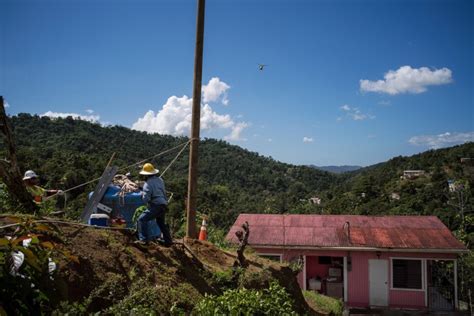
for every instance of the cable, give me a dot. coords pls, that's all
(175, 158)
(126, 167)
(67, 223)
(157, 155)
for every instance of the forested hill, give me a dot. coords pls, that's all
(67, 152)
(381, 189)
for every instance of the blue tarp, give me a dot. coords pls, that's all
(125, 207)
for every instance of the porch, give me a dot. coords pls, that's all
(325, 275)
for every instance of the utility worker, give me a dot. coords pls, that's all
(31, 181)
(154, 195)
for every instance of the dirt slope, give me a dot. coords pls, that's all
(107, 272)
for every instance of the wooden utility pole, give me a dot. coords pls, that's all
(9, 170)
(191, 231)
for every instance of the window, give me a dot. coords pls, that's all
(407, 274)
(272, 257)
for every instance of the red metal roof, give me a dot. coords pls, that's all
(328, 231)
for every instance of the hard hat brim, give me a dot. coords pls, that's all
(31, 177)
(149, 173)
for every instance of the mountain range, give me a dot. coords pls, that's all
(337, 169)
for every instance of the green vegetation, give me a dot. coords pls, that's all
(380, 190)
(272, 301)
(117, 278)
(30, 246)
(324, 304)
(232, 180)
(151, 300)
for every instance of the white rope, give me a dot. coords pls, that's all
(134, 164)
(175, 158)
(157, 155)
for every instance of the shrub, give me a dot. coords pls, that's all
(222, 279)
(27, 267)
(323, 304)
(217, 237)
(156, 300)
(271, 301)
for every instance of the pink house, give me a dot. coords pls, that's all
(367, 261)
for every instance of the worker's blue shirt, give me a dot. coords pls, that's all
(154, 191)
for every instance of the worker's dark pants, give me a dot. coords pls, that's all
(157, 211)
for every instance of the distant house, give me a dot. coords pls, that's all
(452, 186)
(389, 261)
(412, 174)
(395, 196)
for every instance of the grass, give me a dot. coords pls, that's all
(323, 304)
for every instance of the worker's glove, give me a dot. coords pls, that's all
(60, 192)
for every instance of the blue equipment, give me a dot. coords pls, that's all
(125, 206)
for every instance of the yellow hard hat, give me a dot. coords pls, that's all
(149, 170)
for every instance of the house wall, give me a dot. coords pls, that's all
(313, 268)
(358, 276)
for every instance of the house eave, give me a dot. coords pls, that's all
(412, 250)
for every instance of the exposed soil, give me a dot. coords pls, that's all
(106, 266)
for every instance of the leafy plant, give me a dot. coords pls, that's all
(323, 304)
(27, 272)
(137, 214)
(217, 237)
(223, 279)
(156, 300)
(70, 309)
(271, 301)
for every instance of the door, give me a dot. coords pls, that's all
(378, 282)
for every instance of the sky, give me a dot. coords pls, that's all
(345, 83)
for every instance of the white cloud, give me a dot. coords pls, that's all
(6, 105)
(345, 107)
(442, 140)
(236, 131)
(270, 140)
(408, 80)
(354, 113)
(89, 118)
(90, 111)
(215, 90)
(174, 118)
(307, 139)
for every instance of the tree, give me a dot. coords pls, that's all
(9, 170)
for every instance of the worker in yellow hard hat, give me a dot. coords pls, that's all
(31, 181)
(154, 194)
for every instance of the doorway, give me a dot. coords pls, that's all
(378, 282)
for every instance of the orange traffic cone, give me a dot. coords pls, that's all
(203, 232)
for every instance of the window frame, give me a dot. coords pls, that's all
(422, 271)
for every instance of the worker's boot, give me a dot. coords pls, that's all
(142, 243)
